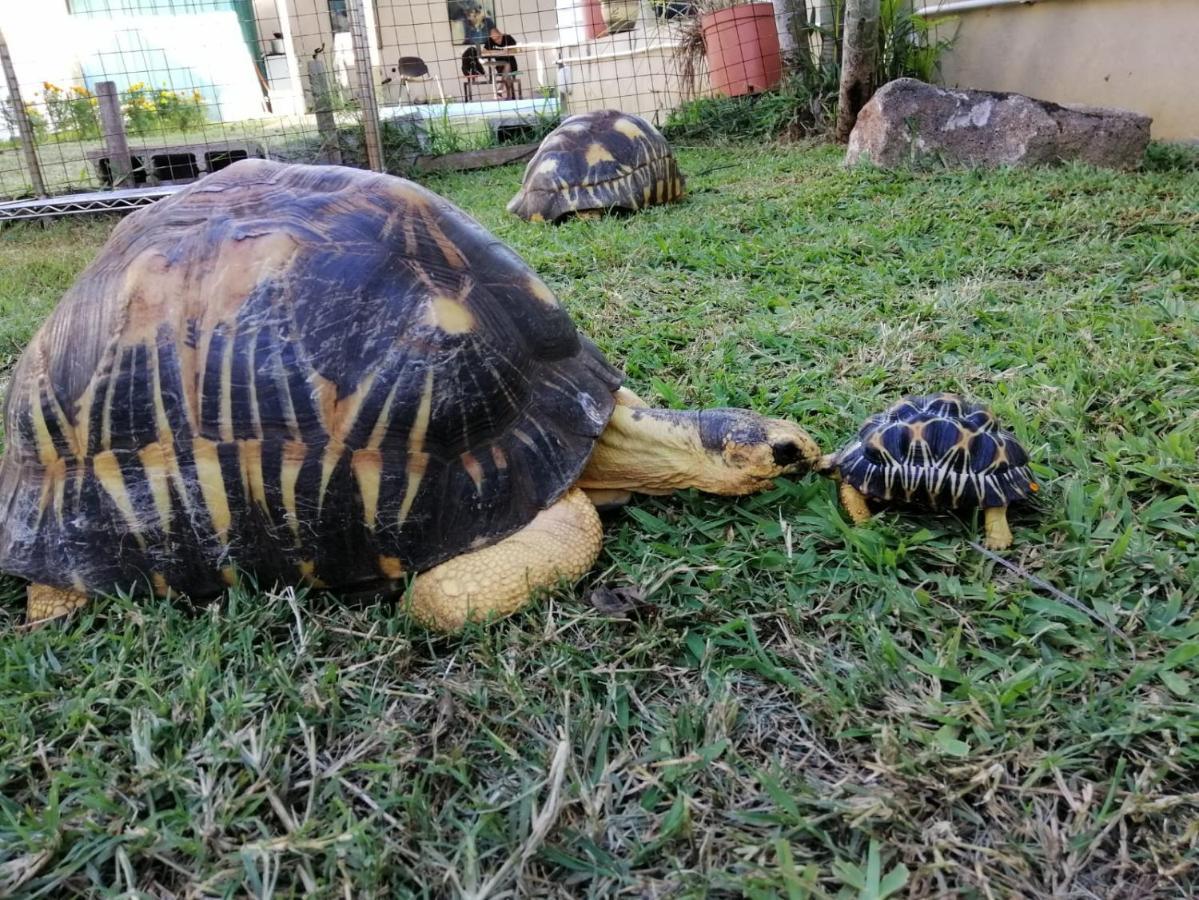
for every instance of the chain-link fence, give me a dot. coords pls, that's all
(128, 95)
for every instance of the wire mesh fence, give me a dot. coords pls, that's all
(104, 95)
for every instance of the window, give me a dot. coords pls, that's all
(339, 16)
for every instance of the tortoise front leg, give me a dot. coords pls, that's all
(855, 503)
(999, 535)
(561, 542)
(43, 602)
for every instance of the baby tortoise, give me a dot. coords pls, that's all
(940, 451)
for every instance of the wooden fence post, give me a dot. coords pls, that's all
(859, 63)
(120, 167)
(24, 126)
(322, 105)
(367, 101)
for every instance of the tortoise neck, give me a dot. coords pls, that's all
(650, 451)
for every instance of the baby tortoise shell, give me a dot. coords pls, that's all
(940, 451)
(314, 374)
(596, 162)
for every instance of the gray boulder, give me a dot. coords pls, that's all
(908, 121)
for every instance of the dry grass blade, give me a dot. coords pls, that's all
(690, 53)
(543, 821)
(16, 872)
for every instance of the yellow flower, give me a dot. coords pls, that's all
(49, 86)
(81, 91)
(137, 86)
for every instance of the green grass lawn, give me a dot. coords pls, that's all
(803, 708)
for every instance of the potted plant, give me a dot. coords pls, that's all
(619, 15)
(740, 43)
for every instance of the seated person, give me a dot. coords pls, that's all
(497, 40)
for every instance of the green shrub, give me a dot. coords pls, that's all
(179, 112)
(1168, 157)
(73, 113)
(801, 105)
(148, 110)
(907, 46)
(445, 136)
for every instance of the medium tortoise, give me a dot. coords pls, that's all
(596, 162)
(940, 451)
(326, 376)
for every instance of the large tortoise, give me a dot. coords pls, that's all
(326, 376)
(597, 162)
(937, 450)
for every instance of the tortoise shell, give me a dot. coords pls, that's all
(598, 161)
(308, 373)
(939, 450)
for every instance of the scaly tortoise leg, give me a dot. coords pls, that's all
(561, 542)
(44, 602)
(855, 503)
(999, 535)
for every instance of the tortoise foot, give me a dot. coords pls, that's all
(999, 535)
(561, 542)
(855, 504)
(44, 603)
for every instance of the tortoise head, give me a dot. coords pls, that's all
(721, 451)
(754, 449)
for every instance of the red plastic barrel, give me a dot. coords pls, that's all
(742, 49)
